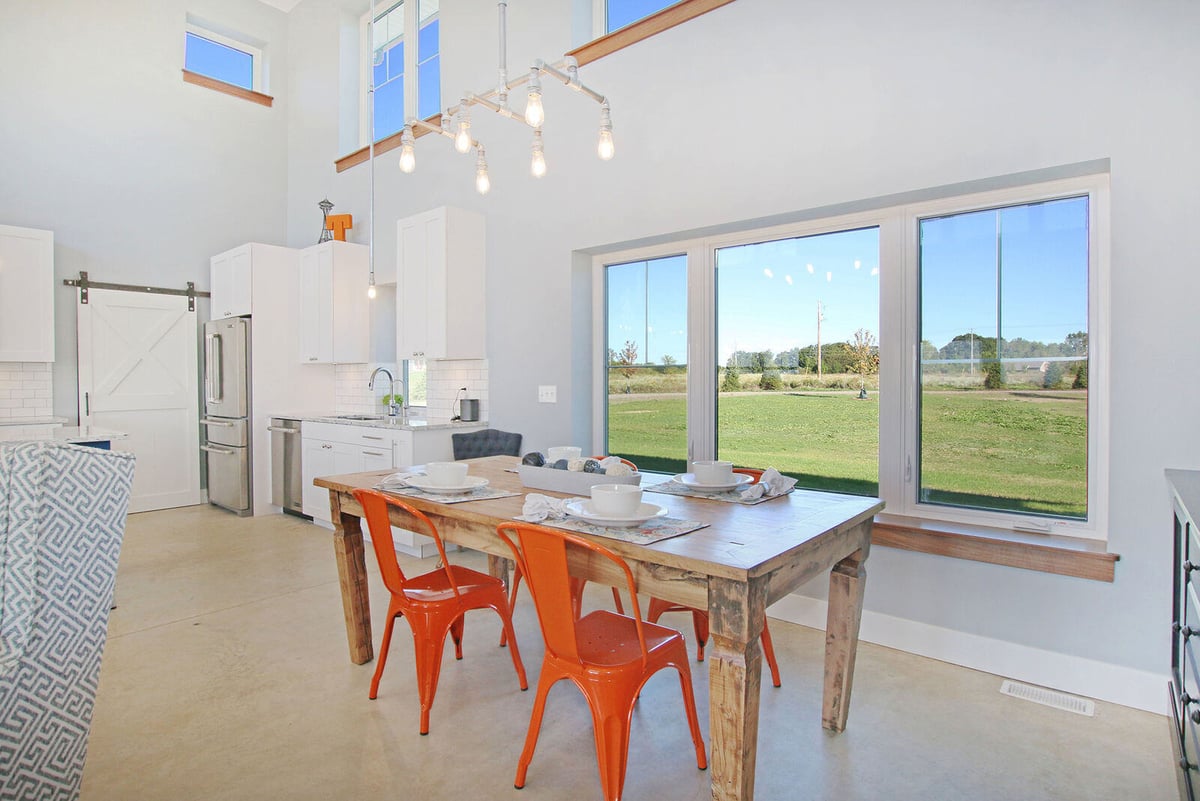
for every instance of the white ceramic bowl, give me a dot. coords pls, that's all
(713, 472)
(447, 474)
(616, 500)
(567, 452)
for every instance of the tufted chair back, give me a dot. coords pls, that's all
(488, 442)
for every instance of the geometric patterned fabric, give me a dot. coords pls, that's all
(62, 519)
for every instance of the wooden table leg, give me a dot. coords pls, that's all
(352, 577)
(498, 566)
(735, 620)
(846, 583)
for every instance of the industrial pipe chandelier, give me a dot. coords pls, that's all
(456, 120)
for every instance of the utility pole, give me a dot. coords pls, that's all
(972, 351)
(820, 317)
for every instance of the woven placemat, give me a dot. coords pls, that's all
(659, 528)
(674, 487)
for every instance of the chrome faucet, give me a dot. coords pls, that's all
(394, 408)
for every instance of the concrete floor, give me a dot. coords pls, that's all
(226, 676)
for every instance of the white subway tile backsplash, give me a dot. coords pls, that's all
(26, 390)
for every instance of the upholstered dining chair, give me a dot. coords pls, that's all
(488, 442)
(658, 607)
(434, 603)
(607, 656)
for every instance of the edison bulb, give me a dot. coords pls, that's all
(462, 141)
(535, 115)
(482, 182)
(408, 160)
(605, 147)
(537, 165)
(371, 291)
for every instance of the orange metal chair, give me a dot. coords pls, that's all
(700, 617)
(608, 656)
(576, 588)
(434, 603)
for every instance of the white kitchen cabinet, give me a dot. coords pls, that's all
(440, 277)
(231, 282)
(331, 449)
(335, 315)
(26, 295)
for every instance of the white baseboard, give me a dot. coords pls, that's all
(1087, 677)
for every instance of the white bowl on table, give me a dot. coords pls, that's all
(713, 472)
(616, 500)
(567, 452)
(446, 474)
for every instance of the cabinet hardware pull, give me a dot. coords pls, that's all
(368, 436)
(283, 430)
(1186, 699)
(1189, 566)
(380, 453)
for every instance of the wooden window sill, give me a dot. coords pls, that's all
(1048, 553)
(594, 50)
(227, 88)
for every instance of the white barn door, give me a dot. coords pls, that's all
(137, 374)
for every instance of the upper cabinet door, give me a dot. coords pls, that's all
(26, 295)
(440, 286)
(335, 314)
(230, 282)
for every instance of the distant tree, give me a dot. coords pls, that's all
(612, 358)
(788, 359)
(760, 361)
(864, 356)
(1077, 345)
(1053, 375)
(770, 380)
(1081, 376)
(668, 360)
(627, 358)
(731, 382)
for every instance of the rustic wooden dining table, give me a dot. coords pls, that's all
(746, 558)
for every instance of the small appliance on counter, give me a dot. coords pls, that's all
(468, 408)
(226, 413)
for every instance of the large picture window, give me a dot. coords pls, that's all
(948, 356)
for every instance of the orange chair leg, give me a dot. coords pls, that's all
(512, 601)
(429, 650)
(700, 624)
(383, 652)
(689, 707)
(769, 653)
(514, 652)
(456, 634)
(545, 682)
(611, 729)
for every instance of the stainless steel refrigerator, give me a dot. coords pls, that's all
(226, 413)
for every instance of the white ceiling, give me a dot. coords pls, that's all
(283, 5)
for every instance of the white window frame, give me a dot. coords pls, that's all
(899, 346)
(411, 64)
(254, 50)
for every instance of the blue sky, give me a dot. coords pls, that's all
(767, 292)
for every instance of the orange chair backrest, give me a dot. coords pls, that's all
(624, 461)
(375, 507)
(542, 557)
(750, 471)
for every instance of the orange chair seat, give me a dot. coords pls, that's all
(609, 639)
(435, 587)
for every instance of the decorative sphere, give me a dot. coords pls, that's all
(533, 458)
(592, 466)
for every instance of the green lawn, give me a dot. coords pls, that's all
(1013, 450)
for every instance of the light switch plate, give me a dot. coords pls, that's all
(547, 393)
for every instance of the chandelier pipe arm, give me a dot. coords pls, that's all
(570, 79)
(503, 111)
(431, 128)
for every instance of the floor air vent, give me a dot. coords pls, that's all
(1041, 695)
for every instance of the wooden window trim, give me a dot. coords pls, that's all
(227, 88)
(594, 50)
(1046, 553)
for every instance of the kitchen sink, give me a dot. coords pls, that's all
(359, 417)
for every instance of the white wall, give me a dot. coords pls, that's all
(140, 176)
(765, 108)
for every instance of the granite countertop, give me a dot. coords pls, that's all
(53, 432)
(32, 421)
(413, 424)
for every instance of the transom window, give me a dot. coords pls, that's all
(223, 58)
(406, 79)
(619, 13)
(948, 356)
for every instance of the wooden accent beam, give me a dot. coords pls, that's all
(1064, 556)
(227, 88)
(384, 145)
(654, 24)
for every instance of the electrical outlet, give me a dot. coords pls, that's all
(547, 393)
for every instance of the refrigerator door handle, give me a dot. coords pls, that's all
(283, 430)
(222, 451)
(212, 368)
(222, 423)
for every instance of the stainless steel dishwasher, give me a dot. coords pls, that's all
(287, 489)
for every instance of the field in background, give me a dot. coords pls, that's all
(1022, 450)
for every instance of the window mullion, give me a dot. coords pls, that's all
(702, 349)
